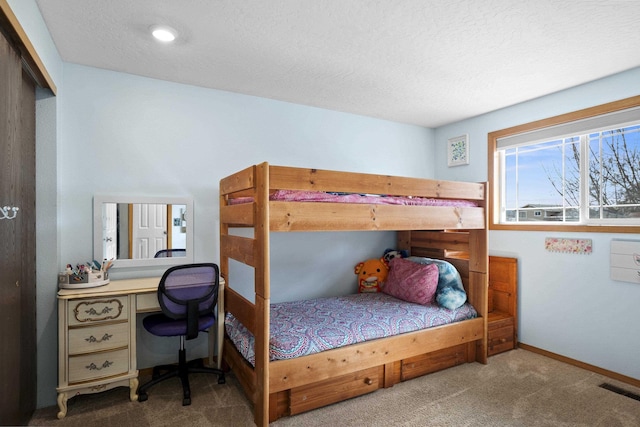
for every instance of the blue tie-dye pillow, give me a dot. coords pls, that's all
(450, 292)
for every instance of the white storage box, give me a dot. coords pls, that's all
(625, 260)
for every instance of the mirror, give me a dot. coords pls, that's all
(142, 231)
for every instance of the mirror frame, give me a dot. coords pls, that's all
(99, 199)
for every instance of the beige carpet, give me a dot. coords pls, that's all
(517, 388)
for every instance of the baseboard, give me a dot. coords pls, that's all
(613, 375)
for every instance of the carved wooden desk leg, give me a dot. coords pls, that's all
(62, 404)
(133, 389)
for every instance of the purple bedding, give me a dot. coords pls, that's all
(320, 196)
(300, 328)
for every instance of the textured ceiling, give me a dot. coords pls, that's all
(425, 62)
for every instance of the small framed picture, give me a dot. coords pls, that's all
(458, 150)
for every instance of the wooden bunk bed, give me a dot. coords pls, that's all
(456, 234)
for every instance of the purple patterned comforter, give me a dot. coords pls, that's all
(321, 196)
(300, 328)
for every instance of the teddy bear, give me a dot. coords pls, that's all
(372, 274)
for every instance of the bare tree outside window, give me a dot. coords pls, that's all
(613, 173)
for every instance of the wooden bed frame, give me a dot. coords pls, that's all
(456, 234)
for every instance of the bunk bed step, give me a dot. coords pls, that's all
(500, 335)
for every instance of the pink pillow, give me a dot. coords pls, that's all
(412, 282)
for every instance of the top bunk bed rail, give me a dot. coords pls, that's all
(283, 177)
(258, 182)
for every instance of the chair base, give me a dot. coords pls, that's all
(182, 371)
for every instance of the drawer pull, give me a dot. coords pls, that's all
(368, 381)
(105, 337)
(93, 367)
(99, 387)
(93, 312)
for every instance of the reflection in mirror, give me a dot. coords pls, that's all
(143, 230)
(139, 231)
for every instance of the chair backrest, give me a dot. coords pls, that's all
(169, 253)
(189, 291)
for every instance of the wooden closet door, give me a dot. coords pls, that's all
(18, 363)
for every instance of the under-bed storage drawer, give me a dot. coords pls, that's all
(335, 389)
(501, 334)
(423, 364)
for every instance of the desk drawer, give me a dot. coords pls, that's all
(98, 337)
(87, 311)
(98, 365)
(147, 302)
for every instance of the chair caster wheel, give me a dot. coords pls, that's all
(142, 397)
(186, 401)
(221, 380)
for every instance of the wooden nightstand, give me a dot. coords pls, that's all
(503, 305)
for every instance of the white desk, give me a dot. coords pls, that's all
(97, 336)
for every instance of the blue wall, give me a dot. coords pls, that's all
(568, 305)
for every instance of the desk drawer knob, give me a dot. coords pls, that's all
(368, 381)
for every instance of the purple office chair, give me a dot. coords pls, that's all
(187, 295)
(170, 253)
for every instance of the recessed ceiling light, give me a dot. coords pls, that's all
(164, 33)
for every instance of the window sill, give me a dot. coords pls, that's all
(568, 228)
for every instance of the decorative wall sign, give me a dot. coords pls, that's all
(458, 150)
(568, 246)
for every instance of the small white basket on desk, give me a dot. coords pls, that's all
(83, 280)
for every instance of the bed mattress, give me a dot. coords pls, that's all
(321, 196)
(301, 328)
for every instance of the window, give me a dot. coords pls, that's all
(578, 171)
